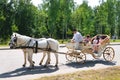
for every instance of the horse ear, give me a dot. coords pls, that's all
(15, 35)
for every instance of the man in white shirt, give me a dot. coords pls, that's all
(77, 39)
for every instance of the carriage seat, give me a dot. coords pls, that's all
(103, 41)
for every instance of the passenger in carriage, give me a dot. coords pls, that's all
(96, 43)
(77, 38)
(87, 40)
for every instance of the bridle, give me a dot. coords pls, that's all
(15, 44)
(26, 43)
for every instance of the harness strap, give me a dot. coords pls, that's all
(28, 43)
(36, 46)
(48, 46)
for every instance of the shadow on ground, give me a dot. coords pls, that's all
(27, 71)
(90, 63)
(50, 69)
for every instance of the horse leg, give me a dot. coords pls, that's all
(48, 59)
(44, 54)
(56, 55)
(30, 54)
(24, 52)
(48, 62)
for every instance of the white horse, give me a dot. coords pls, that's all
(30, 45)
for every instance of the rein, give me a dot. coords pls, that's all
(32, 47)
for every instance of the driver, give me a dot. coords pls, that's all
(77, 38)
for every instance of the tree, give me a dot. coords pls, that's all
(118, 18)
(101, 18)
(6, 19)
(25, 17)
(52, 12)
(41, 29)
(82, 18)
(65, 12)
(111, 16)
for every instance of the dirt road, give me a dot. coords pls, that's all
(11, 65)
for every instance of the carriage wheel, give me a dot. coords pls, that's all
(81, 57)
(108, 53)
(69, 56)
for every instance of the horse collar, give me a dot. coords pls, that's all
(28, 43)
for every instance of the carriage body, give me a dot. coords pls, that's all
(87, 48)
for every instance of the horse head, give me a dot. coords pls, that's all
(13, 41)
(18, 40)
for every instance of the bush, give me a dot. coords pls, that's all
(4, 42)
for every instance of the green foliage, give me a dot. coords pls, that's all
(57, 18)
(25, 17)
(6, 15)
(14, 28)
(101, 18)
(83, 18)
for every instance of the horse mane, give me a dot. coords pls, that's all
(19, 35)
(15, 34)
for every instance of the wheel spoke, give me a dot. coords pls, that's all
(108, 54)
(81, 57)
(69, 56)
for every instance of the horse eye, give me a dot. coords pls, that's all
(15, 39)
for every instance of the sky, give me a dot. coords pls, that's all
(91, 3)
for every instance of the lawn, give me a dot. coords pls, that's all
(117, 40)
(111, 73)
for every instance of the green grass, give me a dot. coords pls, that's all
(117, 40)
(4, 45)
(111, 73)
(61, 41)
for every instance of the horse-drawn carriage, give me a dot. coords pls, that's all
(80, 55)
(31, 45)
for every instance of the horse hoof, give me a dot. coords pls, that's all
(32, 66)
(23, 65)
(48, 62)
(56, 65)
(33, 62)
(40, 63)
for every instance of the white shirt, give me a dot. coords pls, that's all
(95, 41)
(77, 37)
